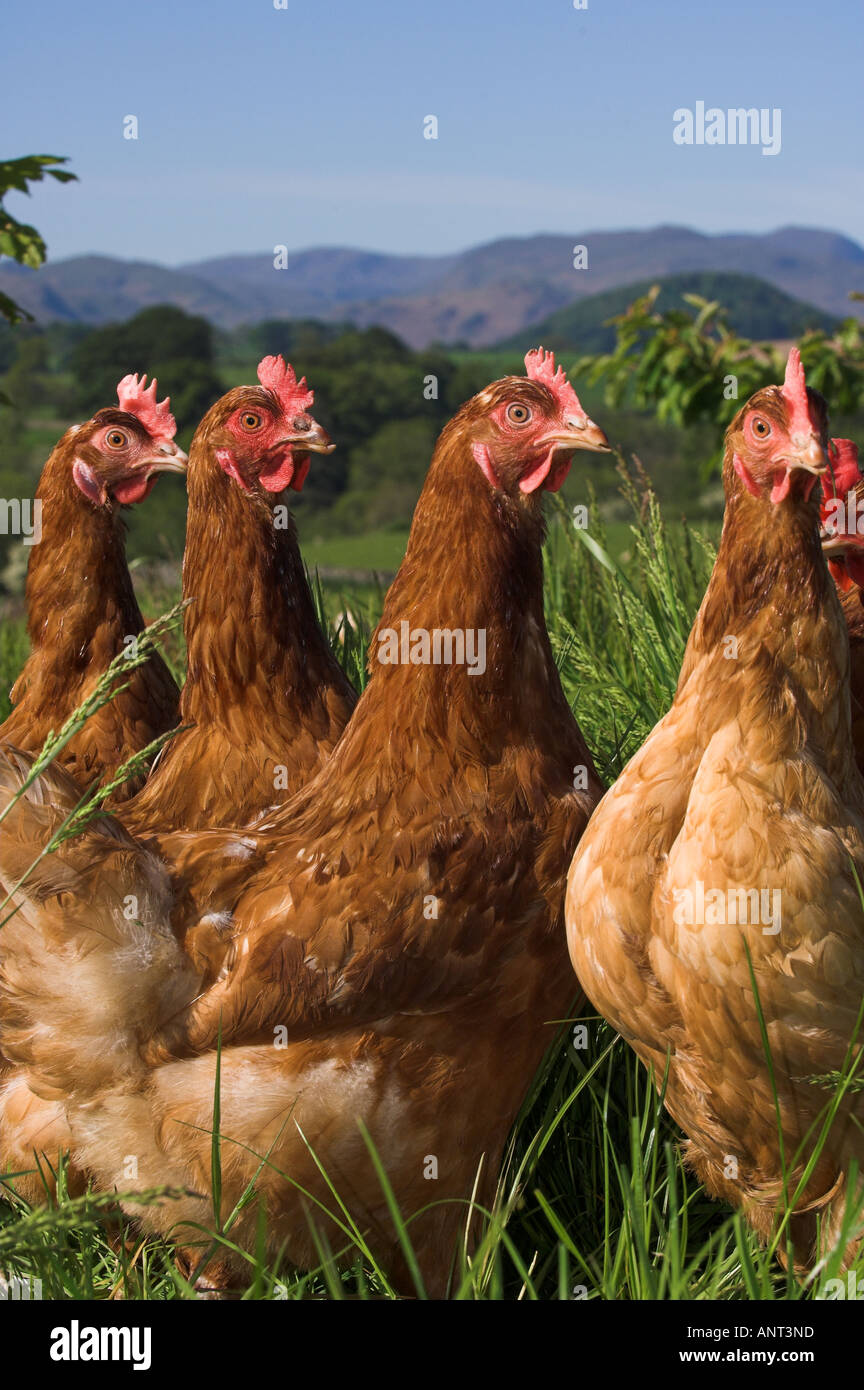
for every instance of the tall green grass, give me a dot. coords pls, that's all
(619, 631)
(593, 1200)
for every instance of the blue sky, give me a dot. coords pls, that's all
(303, 126)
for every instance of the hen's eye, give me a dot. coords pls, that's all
(116, 439)
(250, 420)
(761, 428)
(518, 414)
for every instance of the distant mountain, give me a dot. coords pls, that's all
(756, 310)
(480, 296)
(99, 289)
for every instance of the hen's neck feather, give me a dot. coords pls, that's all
(78, 581)
(473, 561)
(771, 591)
(251, 623)
(769, 559)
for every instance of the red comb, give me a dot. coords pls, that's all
(294, 396)
(154, 415)
(795, 394)
(844, 465)
(540, 366)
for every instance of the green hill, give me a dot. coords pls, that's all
(756, 310)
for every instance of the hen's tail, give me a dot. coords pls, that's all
(89, 964)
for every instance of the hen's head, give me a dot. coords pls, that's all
(117, 454)
(262, 436)
(842, 543)
(776, 445)
(524, 431)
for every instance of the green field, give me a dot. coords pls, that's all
(376, 551)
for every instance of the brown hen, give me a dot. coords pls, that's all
(390, 948)
(265, 700)
(731, 844)
(843, 545)
(81, 607)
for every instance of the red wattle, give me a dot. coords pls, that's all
(280, 475)
(855, 566)
(537, 477)
(133, 490)
(301, 470)
(558, 474)
(780, 490)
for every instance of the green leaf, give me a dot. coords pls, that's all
(14, 314)
(18, 240)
